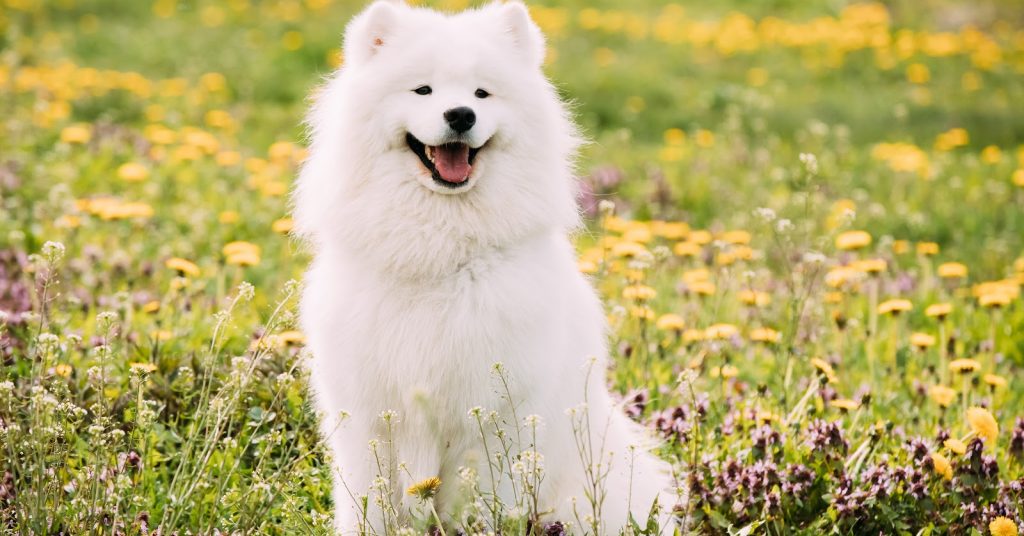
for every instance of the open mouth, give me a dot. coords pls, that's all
(449, 164)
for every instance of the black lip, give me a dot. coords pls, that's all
(420, 149)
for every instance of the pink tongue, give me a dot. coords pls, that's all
(452, 162)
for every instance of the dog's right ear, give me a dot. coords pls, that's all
(370, 30)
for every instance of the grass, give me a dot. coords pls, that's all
(152, 373)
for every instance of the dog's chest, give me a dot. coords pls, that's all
(437, 345)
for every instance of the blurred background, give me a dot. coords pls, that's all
(695, 108)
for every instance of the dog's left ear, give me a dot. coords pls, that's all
(524, 32)
(371, 30)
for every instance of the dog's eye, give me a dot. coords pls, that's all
(423, 90)
(482, 94)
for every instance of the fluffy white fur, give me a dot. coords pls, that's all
(416, 289)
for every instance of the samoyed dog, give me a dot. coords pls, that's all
(438, 196)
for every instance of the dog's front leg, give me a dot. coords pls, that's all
(365, 470)
(419, 464)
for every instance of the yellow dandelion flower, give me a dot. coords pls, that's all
(701, 237)
(729, 371)
(994, 300)
(282, 226)
(824, 368)
(952, 270)
(694, 335)
(955, 446)
(674, 136)
(851, 240)
(638, 233)
(228, 217)
(425, 489)
(894, 307)
(842, 275)
(642, 312)
(942, 395)
(994, 380)
(704, 138)
(737, 237)
(240, 246)
(273, 188)
(922, 340)
(754, 297)
(899, 247)
(991, 154)
(918, 73)
(291, 337)
(78, 133)
(68, 221)
(151, 307)
(942, 466)
(844, 404)
(834, 297)
(703, 288)
(764, 416)
(870, 266)
(927, 249)
(112, 209)
(132, 172)
(671, 230)
(634, 276)
(693, 276)
(161, 335)
(1018, 177)
(983, 424)
(1009, 287)
(766, 335)
(244, 258)
(639, 293)
(142, 367)
(687, 249)
(615, 224)
(725, 258)
(159, 134)
(744, 253)
(670, 322)
(228, 158)
(63, 370)
(629, 250)
(938, 310)
(182, 266)
(1002, 526)
(964, 365)
(722, 331)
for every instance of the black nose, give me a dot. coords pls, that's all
(460, 119)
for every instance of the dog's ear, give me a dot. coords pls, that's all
(524, 32)
(370, 30)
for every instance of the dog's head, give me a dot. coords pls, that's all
(433, 113)
(444, 86)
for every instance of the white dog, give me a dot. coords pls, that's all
(438, 194)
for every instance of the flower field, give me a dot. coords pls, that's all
(806, 220)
